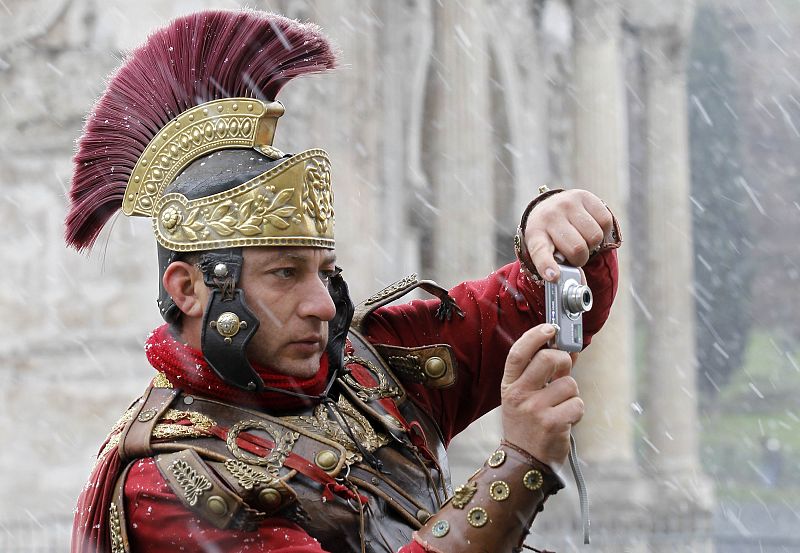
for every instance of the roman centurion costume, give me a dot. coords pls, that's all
(222, 455)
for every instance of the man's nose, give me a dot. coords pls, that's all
(316, 301)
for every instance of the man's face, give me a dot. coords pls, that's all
(287, 289)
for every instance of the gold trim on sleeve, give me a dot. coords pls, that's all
(115, 529)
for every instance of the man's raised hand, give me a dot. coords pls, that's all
(573, 223)
(539, 398)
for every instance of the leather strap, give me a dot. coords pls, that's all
(493, 511)
(200, 489)
(134, 440)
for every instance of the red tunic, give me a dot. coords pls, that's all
(498, 309)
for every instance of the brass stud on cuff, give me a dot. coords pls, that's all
(497, 458)
(499, 490)
(440, 529)
(477, 517)
(533, 480)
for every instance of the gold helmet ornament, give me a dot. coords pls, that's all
(183, 134)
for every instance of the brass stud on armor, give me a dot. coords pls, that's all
(533, 480)
(217, 505)
(270, 498)
(499, 490)
(228, 324)
(220, 270)
(423, 516)
(435, 367)
(497, 458)
(147, 414)
(477, 517)
(326, 459)
(440, 529)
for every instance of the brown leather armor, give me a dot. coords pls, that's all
(309, 468)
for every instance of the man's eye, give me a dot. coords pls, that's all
(285, 273)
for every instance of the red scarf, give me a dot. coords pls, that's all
(186, 369)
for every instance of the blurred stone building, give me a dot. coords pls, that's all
(442, 121)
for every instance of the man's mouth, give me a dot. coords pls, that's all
(308, 344)
(310, 339)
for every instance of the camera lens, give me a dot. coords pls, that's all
(577, 297)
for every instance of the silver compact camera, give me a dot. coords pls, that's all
(565, 302)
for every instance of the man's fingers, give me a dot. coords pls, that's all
(569, 242)
(541, 249)
(523, 350)
(588, 228)
(547, 365)
(559, 391)
(599, 212)
(569, 412)
(563, 367)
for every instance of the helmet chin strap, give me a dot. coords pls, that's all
(229, 325)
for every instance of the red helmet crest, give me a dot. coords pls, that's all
(195, 59)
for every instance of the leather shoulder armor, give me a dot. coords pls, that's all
(366, 452)
(399, 289)
(434, 365)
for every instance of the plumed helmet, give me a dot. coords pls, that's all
(183, 135)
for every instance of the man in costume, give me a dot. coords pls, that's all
(281, 417)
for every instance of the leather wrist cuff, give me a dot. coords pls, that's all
(521, 250)
(495, 508)
(611, 241)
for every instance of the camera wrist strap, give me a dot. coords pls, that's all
(583, 495)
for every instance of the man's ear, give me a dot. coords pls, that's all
(184, 283)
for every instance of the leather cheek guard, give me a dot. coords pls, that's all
(228, 326)
(338, 327)
(493, 511)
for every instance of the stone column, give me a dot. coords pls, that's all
(521, 148)
(605, 371)
(405, 44)
(458, 157)
(458, 153)
(343, 110)
(684, 492)
(601, 165)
